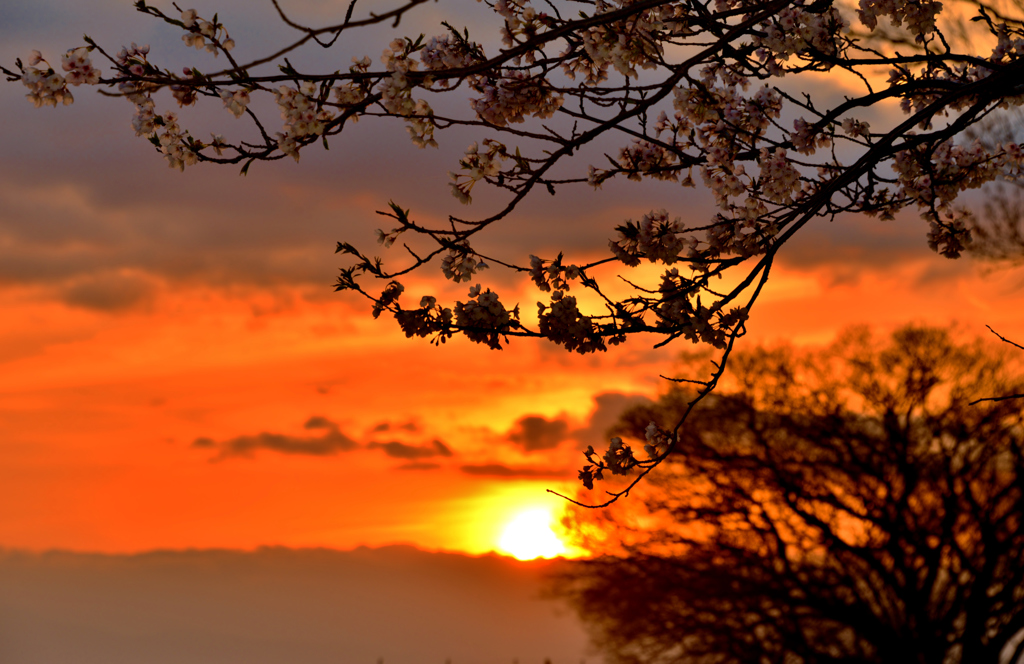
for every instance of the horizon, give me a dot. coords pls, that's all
(311, 605)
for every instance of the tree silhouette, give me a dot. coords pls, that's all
(786, 112)
(841, 505)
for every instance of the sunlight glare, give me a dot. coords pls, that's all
(530, 536)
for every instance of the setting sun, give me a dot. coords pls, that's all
(529, 535)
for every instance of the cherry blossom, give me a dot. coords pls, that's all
(724, 96)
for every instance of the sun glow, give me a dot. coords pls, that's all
(529, 535)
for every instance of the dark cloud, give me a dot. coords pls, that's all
(397, 450)
(501, 470)
(853, 243)
(409, 426)
(108, 292)
(419, 465)
(331, 442)
(608, 408)
(319, 422)
(534, 432)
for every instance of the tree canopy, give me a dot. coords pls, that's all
(847, 504)
(721, 94)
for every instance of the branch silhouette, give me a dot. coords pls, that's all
(678, 93)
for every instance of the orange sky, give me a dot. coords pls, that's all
(99, 412)
(146, 309)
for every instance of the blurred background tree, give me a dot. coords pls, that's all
(846, 504)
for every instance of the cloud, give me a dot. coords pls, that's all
(502, 470)
(419, 465)
(534, 432)
(410, 426)
(608, 408)
(108, 292)
(854, 243)
(399, 450)
(319, 422)
(331, 442)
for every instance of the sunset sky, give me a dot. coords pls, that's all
(177, 372)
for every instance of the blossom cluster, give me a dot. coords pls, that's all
(173, 142)
(387, 297)
(554, 274)
(620, 45)
(203, 34)
(460, 264)
(807, 137)
(512, 96)
(659, 441)
(917, 16)
(236, 101)
(779, 179)
(563, 324)
(302, 113)
(484, 319)
(798, 30)
(48, 88)
(646, 158)
(428, 320)
(396, 93)
(476, 165)
(175, 145)
(522, 23)
(680, 308)
(723, 121)
(79, 67)
(447, 52)
(396, 89)
(656, 237)
(618, 459)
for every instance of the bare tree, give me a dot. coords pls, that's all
(722, 93)
(841, 505)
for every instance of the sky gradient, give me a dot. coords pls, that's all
(176, 372)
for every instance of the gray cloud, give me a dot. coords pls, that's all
(534, 432)
(331, 442)
(397, 450)
(108, 292)
(91, 196)
(853, 243)
(511, 472)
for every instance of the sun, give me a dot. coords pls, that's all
(529, 535)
